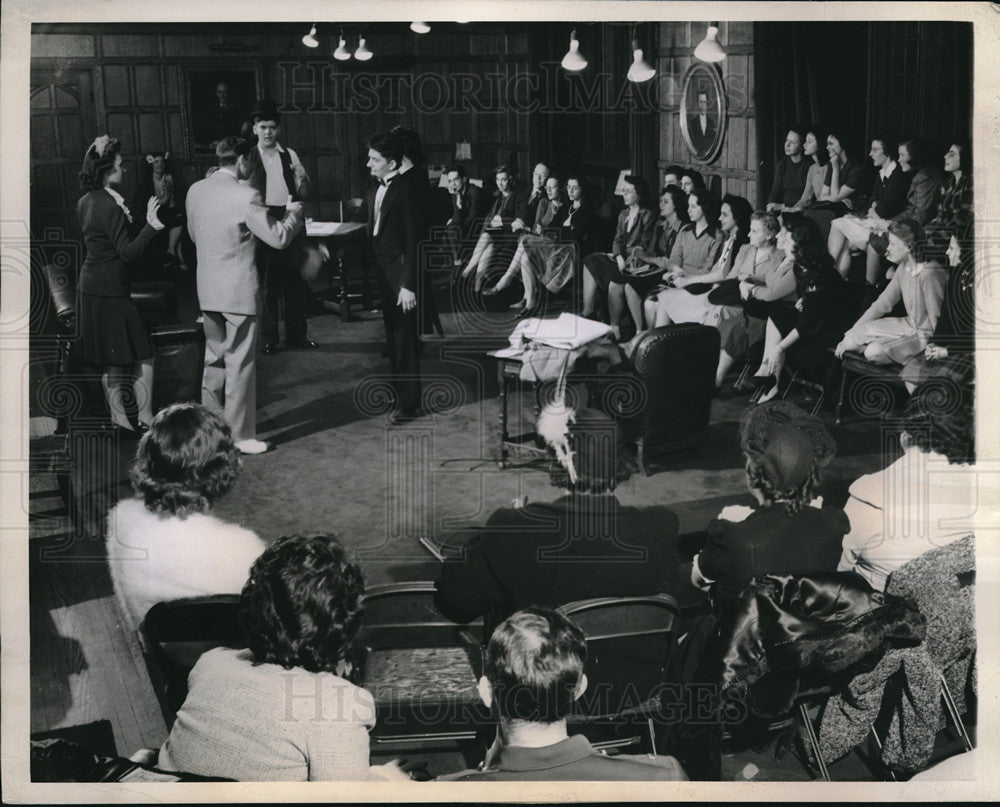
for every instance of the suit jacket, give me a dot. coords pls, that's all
(548, 554)
(472, 204)
(503, 206)
(701, 141)
(527, 206)
(396, 248)
(224, 215)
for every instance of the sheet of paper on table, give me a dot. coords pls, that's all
(323, 228)
(567, 331)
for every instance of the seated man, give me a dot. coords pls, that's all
(533, 672)
(584, 544)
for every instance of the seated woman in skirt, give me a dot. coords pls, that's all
(604, 273)
(496, 227)
(920, 286)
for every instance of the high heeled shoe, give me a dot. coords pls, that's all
(492, 291)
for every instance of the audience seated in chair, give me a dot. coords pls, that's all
(497, 229)
(533, 672)
(816, 155)
(584, 544)
(888, 198)
(921, 202)
(933, 483)
(283, 709)
(605, 274)
(788, 532)
(919, 285)
(163, 544)
(952, 344)
(791, 173)
(688, 300)
(954, 215)
(804, 333)
(845, 186)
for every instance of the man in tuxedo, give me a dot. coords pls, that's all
(394, 229)
(225, 219)
(702, 125)
(466, 208)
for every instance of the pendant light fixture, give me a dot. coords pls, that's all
(573, 60)
(342, 54)
(420, 27)
(640, 70)
(362, 54)
(310, 40)
(709, 49)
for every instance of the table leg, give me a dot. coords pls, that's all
(345, 305)
(504, 381)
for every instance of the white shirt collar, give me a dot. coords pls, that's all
(277, 147)
(115, 195)
(887, 169)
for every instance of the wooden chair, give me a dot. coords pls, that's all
(629, 644)
(872, 394)
(175, 635)
(422, 670)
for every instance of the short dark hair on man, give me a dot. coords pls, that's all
(186, 461)
(302, 604)
(230, 149)
(504, 168)
(96, 165)
(389, 146)
(409, 143)
(534, 662)
(458, 169)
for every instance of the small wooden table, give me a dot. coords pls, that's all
(338, 235)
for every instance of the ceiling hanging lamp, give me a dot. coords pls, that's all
(310, 40)
(420, 27)
(640, 70)
(362, 54)
(342, 54)
(709, 49)
(573, 60)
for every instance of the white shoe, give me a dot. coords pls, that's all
(253, 446)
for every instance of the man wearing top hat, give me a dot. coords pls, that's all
(276, 172)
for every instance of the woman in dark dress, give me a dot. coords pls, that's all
(158, 181)
(112, 334)
(804, 332)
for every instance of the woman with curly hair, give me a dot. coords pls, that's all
(282, 709)
(158, 181)
(918, 503)
(163, 543)
(788, 531)
(112, 334)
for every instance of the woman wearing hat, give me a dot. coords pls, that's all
(788, 532)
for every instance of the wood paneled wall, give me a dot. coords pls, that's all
(736, 164)
(459, 83)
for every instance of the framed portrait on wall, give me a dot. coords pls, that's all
(218, 102)
(703, 112)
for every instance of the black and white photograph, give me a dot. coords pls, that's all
(437, 408)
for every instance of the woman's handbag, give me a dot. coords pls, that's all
(727, 292)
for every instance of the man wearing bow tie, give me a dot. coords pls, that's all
(393, 226)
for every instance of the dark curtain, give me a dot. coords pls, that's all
(808, 73)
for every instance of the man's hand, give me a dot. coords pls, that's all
(293, 206)
(407, 300)
(517, 224)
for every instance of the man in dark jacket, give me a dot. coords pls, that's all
(584, 544)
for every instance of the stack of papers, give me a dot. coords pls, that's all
(567, 331)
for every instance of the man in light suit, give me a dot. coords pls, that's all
(394, 223)
(225, 219)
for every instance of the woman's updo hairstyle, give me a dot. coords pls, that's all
(98, 162)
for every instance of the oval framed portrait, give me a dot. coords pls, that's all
(703, 112)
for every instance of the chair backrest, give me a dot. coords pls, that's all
(677, 413)
(62, 288)
(629, 643)
(177, 633)
(180, 359)
(404, 615)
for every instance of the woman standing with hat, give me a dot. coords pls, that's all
(112, 334)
